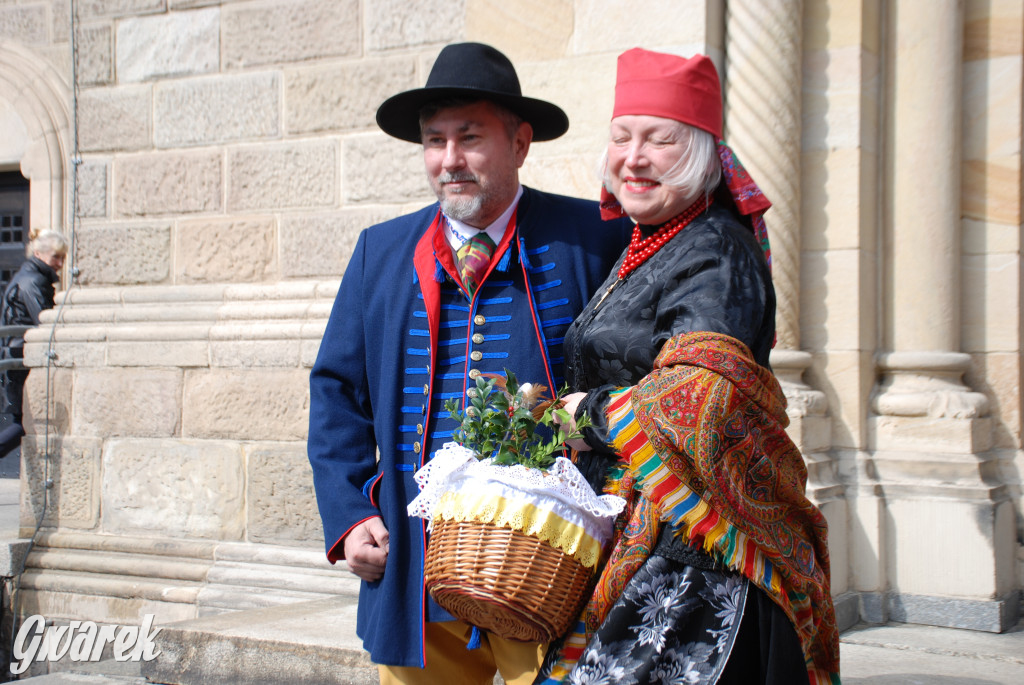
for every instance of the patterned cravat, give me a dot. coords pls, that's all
(474, 256)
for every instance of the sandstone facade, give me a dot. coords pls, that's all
(216, 159)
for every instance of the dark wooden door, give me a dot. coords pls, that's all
(13, 224)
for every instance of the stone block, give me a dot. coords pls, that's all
(993, 615)
(837, 119)
(127, 402)
(390, 24)
(992, 295)
(992, 29)
(585, 88)
(217, 109)
(992, 190)
(174, 353)
(366, 179)
(847, 378)
(174, 44)
(836, 188)
(310, 349)
(168, 183)
(294, 31)
(843, 25)
(831, 314)
(810, 433)
(13, 134)
(990, 238)
(115, 118)
(931, 435)
(69, 354)
(47, 401)
(320, 244)
(60, 20)
(344, 97)
(300, 174)
(925, 530)
(988, 374)
(571, 175)
(95, 54)
(92, 189)
(254, 353)
(599, 26)
(992, 110)
(72, 466)
(135, 254)
(867, 547)
(177, 488)
(118, 8)
(26, 24)
(191, 4)
(836, 513)
(280, 502)
(247, 404)
(225, 250)
(527, 30)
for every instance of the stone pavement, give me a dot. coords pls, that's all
(894, 654)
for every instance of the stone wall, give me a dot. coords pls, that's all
(229, 158)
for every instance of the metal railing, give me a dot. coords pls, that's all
(13, 332)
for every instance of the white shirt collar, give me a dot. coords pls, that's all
(456, 232)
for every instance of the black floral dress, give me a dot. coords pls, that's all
(682, 618)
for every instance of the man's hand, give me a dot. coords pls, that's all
(569, 404)
(366, 549)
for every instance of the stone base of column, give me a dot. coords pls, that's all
(948, 521)
(993, 615)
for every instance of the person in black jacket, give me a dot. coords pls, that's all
(29, 293)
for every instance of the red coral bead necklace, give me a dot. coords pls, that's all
(641, 249)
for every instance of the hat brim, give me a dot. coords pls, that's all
(399, 115)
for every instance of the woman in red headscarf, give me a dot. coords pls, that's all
(719, 572)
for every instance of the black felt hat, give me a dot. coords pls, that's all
(470, 70)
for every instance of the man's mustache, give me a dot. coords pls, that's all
(448, 177)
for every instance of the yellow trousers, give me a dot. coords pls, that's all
(450, 663)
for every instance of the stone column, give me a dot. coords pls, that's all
(930, 434)
(763, 93)
(762, 124)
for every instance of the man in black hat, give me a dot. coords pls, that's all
(488, 278)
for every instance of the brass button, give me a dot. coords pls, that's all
(426, 388)
(416, 447)
(478, 338)
(476, 355)
(423, 409)
(479, 319)
(419, 429)
(474, 373)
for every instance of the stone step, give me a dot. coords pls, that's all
(306, 643)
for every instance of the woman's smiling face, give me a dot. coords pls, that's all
(641, 150)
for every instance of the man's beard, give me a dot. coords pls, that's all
(457, 206)
(464, 209)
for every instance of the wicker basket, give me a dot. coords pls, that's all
(510, 584)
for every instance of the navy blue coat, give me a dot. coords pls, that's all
(396, 347)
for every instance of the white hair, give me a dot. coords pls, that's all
(48, 242)
(698, 170)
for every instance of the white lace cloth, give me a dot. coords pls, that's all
(562, 489)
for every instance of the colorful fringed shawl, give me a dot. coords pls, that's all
(703, 439)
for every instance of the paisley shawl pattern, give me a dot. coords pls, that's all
(705, 437)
